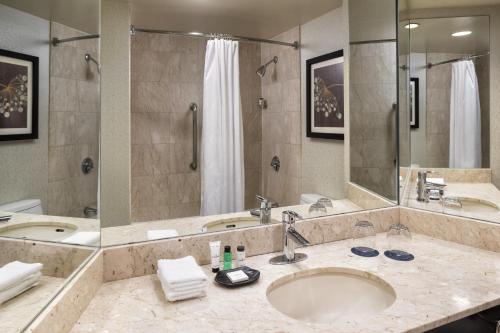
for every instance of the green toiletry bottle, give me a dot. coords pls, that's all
(228, 258)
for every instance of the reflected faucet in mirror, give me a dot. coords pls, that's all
(264, 210)
(424, 187)
(291, 237)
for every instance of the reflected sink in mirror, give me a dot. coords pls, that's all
(46, 231)
(232, 223)
(325, 294)
(473, 205)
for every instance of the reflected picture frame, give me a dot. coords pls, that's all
(18, 96)
(413, 96)
(325, 96)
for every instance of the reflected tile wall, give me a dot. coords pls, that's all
(281, 126)
(73, 124)
(167, 76)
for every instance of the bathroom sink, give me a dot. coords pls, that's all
(232, 223)
(473, 205)
(325, 294)
(48, 231)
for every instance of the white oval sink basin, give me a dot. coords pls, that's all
(323, 295)
(232, 223)
(473, 205)
(48, 231)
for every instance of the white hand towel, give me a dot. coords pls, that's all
(16, 272)
(179, 271)
(182, 287)
(159, 234)
(84, 238)
(12, 292)
(173, 296)
(437, 181)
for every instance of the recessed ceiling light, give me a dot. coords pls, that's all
(461, 33)
(412, 25)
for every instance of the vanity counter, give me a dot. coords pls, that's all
(445, 282)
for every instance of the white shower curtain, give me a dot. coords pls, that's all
(465, 117)
(222, 164)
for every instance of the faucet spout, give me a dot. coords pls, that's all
(265, 209)
(291, 237)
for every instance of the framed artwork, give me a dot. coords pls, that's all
(18, 96)
(414, 107)
(325, 96)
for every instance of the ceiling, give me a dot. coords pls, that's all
(434, 35)
(82, 15)
(252, 18)
(421, 4)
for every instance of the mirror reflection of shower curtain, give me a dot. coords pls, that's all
(222, 163)
(465, 117)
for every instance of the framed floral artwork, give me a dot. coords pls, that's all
(18, 96)
(325, 96)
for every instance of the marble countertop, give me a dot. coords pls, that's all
(445, 282)
(136, 232)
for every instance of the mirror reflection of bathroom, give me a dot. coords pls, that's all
(49, 121)
(445, 65)
(221, 142)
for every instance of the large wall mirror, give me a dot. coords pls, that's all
(448, 138)
(49, 148)
(199, 164)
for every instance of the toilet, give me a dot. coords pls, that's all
(28, 206)
(310, 198)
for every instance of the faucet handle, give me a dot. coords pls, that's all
(260, 198)
(264, 202)
(289, 216)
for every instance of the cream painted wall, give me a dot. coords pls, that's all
(115, 113)
(24, 164)
(323, 163)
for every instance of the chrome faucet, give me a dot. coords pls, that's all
(291, 237)
(265, 209)
(424, 187)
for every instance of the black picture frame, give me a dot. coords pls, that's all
(32, 107)
(310, 131)
(414, 96)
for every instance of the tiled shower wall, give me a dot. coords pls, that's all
(73, 123)
(167, 75)
(373, 94)
(281, 122)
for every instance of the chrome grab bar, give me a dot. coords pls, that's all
(194, 108)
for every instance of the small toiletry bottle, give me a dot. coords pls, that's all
(228, 258)
(240, 255)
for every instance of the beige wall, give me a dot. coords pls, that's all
(73, 124)
(281, 122)
(372, 20)
(24, 164)
(115, 113)
(323, 163)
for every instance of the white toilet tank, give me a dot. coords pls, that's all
(29, 206)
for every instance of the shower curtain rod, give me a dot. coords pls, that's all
(133, 30)
(56, 41)
(429, 65)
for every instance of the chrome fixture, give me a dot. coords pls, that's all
(134, 30)
(87, 165)
(265, 209)
(290, 238)
(56, 41)
(5, 218)
(424, 187)
(194, 108)
(262, 103)
(261, 71)
(275, 163)
(89, 212)
(469, 57)
(89, 58)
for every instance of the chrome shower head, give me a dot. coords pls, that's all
(261, 71)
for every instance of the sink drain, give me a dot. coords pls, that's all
(59, 230)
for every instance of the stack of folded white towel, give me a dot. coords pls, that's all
(16, 277)
(161, 233)
(90, 238)
(182, 278)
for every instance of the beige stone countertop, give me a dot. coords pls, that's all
(445, 282)
(137, 231)
(481, 191)
(17, 312)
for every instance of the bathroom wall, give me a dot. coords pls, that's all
(323, 162)
(73, 124)
(167, 76)
(281, 121)
(24, 164)
(418, 139)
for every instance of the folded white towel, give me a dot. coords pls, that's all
(16, 272)
(159, 234)
(179, 271)
(173, 296)
(84, 238)
(12, 292)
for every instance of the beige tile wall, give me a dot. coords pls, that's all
(73, 124)
(167, 76)
(281, 122)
